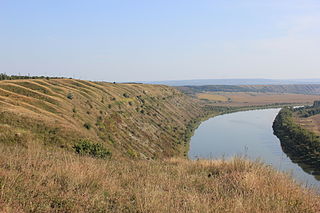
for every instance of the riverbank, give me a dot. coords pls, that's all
(300, 144)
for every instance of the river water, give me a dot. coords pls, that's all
(249, 134)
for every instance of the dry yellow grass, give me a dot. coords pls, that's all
(39, 179)
(311, 123)
(212, 97)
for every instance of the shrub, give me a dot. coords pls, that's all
(126, 95)
(86, 147)
(132, 153)
(87, 125)
(70, 96)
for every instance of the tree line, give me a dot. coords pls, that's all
(4, 76)
(307, 111)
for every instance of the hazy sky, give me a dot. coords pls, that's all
(130, 40)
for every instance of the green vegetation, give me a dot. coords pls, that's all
(4, 76)
(70, 96)
(307, 111)
(298, 142)
(87, 125)
(86, 147)
(126, 95)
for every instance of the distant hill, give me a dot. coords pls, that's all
(308, 89)
(201, 82)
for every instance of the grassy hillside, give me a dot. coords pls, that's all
(40, 179)
(136, 120)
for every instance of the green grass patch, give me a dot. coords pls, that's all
(86, 147)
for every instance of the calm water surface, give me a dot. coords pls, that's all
(248, 134)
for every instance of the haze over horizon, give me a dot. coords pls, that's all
(159, 41)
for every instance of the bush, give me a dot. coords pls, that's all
(87, 126)
(86, 147)
(132, 153)
(70, 96)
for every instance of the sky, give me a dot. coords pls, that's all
(149, 40)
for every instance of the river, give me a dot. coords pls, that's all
(248, 134)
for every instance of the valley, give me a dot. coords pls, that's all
(70, 145)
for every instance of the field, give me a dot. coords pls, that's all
(311, 123)
(212, 97)
(254, 98)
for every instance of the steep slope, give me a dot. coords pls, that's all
(136, 120)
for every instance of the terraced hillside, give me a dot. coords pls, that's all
(135, 120)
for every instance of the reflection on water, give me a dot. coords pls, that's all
(305, 167)
(248, 133)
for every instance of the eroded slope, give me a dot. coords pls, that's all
(135, 120)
